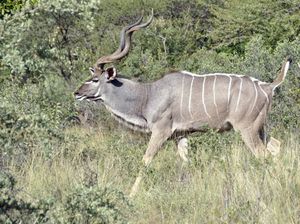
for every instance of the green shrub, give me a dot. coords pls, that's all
(15, 210)
(92, 205)
(33, 47)
(82, 205)
(32, 117)
(210, 144)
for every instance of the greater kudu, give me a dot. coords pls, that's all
(183, 102)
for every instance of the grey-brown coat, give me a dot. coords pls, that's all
(183, 102)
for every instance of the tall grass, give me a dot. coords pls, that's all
(224, 186)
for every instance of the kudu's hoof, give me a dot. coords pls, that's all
(273, 146)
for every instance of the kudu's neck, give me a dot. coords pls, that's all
(126, 100)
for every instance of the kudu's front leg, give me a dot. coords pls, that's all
(160, 133)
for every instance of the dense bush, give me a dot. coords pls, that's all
(83, 205)
(46, 48)
(10, 6)
(15, 210)
(276, 21)
(42, 59)
(32, 117)
(34, 47)
(92, 205)
(210, 142)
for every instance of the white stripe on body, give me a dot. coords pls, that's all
(190, 97)
(264, 93)
(229, 87)
(203, 86)
(181, 101)
(222, 74)
(254, 104)
(214, 94)
(239, 96)
(228, 94)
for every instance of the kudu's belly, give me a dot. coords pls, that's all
(201, 124)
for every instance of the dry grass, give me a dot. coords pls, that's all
(228, 187)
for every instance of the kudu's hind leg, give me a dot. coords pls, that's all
(254, 136)
(251, 137)
(263, 134)
(273, 146)
(255, 143)
(182, 149)
(159, 135)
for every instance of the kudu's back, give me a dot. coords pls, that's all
(213, 100)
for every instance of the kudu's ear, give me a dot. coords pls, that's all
(92, 71)
(110, 73)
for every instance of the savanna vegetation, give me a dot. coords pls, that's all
(55, 169)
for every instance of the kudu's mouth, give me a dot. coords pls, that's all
(79, 97)
(89, 98)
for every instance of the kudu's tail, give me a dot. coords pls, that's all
(282, 74)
